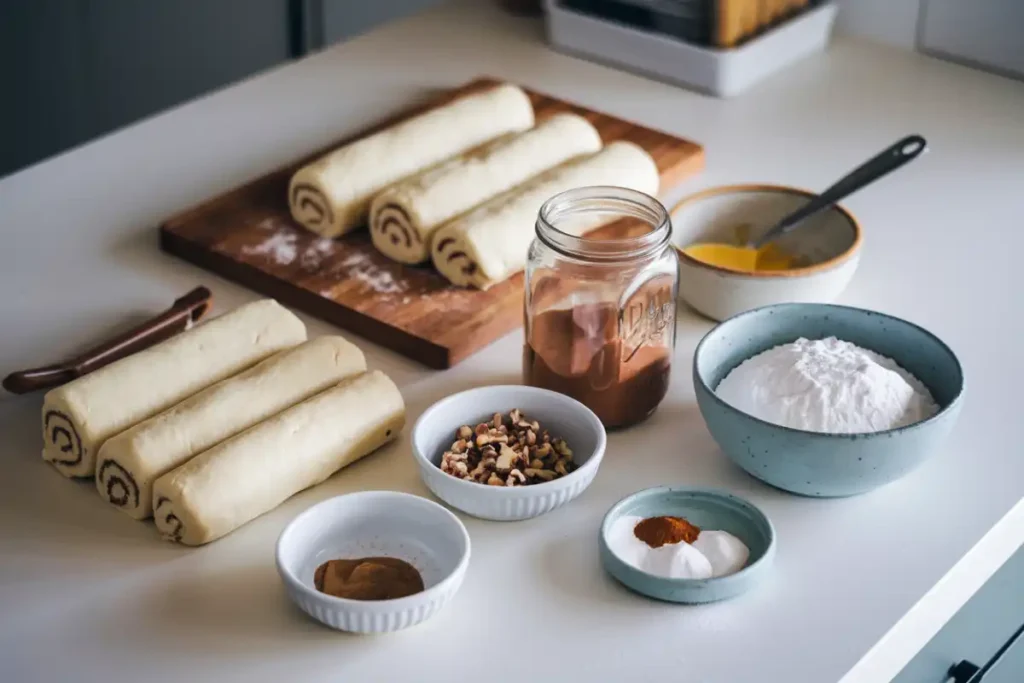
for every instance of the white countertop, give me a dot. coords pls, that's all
(86, 594)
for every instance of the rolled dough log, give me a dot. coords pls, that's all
(79, 416)
(404, 216)
(332, 195)
(489, 244)
(237, 480)
(129, 463)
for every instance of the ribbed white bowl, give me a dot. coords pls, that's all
(562, 416)
(374, 523)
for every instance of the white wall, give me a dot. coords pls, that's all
(893, 22)
(987, 34)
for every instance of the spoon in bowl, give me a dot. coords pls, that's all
(758, 254)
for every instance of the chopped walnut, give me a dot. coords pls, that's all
(508, 459)
(507, 451)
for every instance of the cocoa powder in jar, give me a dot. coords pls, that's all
(580, 352)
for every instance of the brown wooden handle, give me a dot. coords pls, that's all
(179, 317)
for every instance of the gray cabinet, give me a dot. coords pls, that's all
(71, 70)
(978, 631)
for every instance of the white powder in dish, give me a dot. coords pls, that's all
(827, 385)
(725, 553)
(720, 554)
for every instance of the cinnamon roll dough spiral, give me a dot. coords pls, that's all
(404, 216)
(251, 473)
(80, 415)
(490, 243)
(131, 461)
(332, 195)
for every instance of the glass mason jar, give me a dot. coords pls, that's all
(600, 310)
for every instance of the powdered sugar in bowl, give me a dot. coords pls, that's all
(906, 384)
(827, 385)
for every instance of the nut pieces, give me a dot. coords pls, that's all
(507, 451)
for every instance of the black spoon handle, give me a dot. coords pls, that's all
(871, 170)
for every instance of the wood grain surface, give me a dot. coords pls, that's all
(248, 236)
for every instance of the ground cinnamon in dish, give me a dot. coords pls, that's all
(659, 531)
(368, 578)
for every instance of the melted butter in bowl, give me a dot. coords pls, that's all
(811, 264)
(744, 259)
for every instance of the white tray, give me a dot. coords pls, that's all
(719, 72)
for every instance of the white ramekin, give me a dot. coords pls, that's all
(562, 416)
(368, 524)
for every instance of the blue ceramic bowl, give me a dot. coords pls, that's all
(708, 509)
(813, 463)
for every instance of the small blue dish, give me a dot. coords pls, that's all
(815, 463)
(708, 509)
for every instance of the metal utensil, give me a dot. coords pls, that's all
(183, 313)
(898, 154)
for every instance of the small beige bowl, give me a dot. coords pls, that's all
(828, 245)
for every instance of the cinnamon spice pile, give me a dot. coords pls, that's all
(368, 578)
(659, 531)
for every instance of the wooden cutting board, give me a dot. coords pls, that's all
(248, 236)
